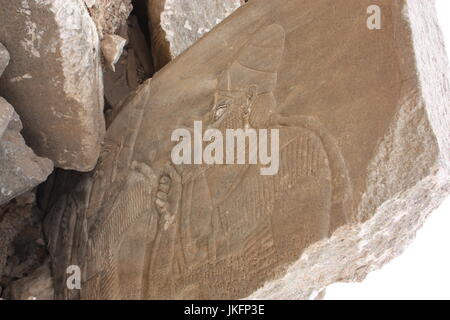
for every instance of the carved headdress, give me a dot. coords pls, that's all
(257, 63)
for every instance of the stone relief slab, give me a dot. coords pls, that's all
(358, 134)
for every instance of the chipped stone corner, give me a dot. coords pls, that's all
(411, 190)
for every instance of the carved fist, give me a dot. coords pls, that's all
(163, 192)
(168, 194)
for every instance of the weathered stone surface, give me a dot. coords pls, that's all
(4, 58)
(177, 24)
(363, 118)
(112, 48)
(54, 79)
(37, 286)
(20, 168)
(109, 15)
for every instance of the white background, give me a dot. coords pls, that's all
(423, 271)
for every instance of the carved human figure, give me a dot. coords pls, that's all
(232, 224)
(214, 231)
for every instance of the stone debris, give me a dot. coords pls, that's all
(22, 245)
(12, 219)
(20, 168)
(54, 79)
(112, 48)
(177, 24)
(109, 15)
(133, 68)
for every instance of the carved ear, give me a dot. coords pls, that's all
(224, 81)
(252, 92)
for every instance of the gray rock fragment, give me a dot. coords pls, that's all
(177, 24)
(112, 48)
(54, 79)
(20, 168)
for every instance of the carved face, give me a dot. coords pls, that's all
(232, 109)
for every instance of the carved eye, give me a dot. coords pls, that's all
(220, 109)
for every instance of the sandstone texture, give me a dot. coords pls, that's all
(177, 24)
(54, 79)
(363, 122)
(20, 168)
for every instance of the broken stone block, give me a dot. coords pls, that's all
(109, 15)
(362, 117)
(20, 168)
(37, 286)
(4, 59)
(177, 24)
(54, 79)
(112, 48)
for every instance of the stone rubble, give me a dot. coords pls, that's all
(20, 171)
(36, 286)
(22, 245)
(109, 15)
(133, 68)
(20, 168)
(54, 79)
(112, 49)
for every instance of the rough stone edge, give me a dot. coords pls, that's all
(6, 116)
(170, 35)
(355, 250)
(6, 58)
(91, 101)
(43, 166)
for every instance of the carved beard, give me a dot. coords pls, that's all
(234, 118)
(227, 111)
